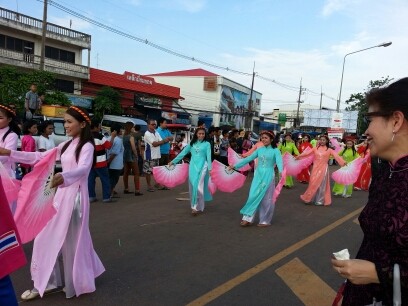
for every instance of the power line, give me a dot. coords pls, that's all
(164, 49)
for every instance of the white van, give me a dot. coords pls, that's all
(109, 120)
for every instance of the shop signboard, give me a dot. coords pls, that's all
(336, 120)
(335, 133)
(282, 118)
(80, 101)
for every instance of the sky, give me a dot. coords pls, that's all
(290, 42)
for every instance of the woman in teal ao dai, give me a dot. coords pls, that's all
(263, 183)
(288, 146)
(198, 171)
(348, 154)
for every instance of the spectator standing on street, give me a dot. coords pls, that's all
(17, 118)
(101, 166)
(383, 219)
(32, 102)
(165, 147)
(28, 142)
(45, 142)
(240, 140)
(115, 158)
(224, 148)
(152, 155)
(138, 141)
(131, 155)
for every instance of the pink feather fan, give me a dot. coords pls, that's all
(225, 179)
(171, 176)
(234, 158)
(295, 166)
(36, 198)
(348, 175)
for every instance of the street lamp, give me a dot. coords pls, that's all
(344, 61)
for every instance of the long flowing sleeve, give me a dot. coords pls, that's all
(209, 162)
(29, 158)
(279, 160)
(252, 150)
(10, 143)
(84, 166)
(307, 153)
(294, 149)
(183, 153)
(246, 160)
(337, 157)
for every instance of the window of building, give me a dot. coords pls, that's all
(64, 85)
(16, 44)
(59, 54)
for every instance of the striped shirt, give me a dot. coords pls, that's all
(101, 145)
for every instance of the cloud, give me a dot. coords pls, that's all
(332, 6)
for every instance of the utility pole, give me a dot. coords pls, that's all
(248, 119)
(44, 33)
(301, 90)
(321, 96)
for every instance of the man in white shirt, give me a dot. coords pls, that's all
(45, 142)
(152, 154)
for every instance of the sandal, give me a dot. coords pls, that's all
(33, 293)
(29, 295)
(150, 189)
(263, 225)
(195, 212)
(245, 223)
(126, 191)
(138, 193)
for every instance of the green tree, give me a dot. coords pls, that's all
(357, 102)
(15, 83)
(107, 102)
(57, 98)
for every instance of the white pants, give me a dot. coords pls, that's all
(266, 208)
(199, 205)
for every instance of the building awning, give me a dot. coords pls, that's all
(133, 82)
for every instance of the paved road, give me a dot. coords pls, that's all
(155, 253)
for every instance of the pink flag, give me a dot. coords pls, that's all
(35, 200)
(278, 187)
(171, 176)
(225, 179)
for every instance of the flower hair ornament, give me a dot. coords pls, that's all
(8, 109)
(82, 113)
(269, 133)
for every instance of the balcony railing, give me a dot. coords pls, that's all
(50, 64)
(25, 20)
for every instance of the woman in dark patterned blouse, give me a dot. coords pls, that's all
(384, 219)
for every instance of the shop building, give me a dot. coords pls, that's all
(141, 96)
(214, 99)
(21, 44)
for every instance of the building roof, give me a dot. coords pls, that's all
(192, 72)
(134, 82)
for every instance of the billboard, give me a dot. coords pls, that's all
(324, 118)
(233, 107)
